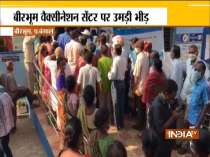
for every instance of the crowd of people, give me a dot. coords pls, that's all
(98, 83)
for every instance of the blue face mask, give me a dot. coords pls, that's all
(195, 76)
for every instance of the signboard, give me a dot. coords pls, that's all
(5, 58)
(19, 70)
(154, 35)
(189, 36)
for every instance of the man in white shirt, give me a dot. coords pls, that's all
(121, 41)
(141, 70)
(177, 72)
(117, 75)
(187, 87)
(73, 50)
(28, 52)
(88, 75)
(125, 53)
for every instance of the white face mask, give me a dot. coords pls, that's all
(195, 76)
(136, 50)
(192, 56)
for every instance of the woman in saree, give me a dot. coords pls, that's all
(60, 85)
(86, 114)
(47, 75)
(72, 139)
(99, 138)
(42, 53)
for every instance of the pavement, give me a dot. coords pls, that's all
(25, 141)
(128, 136)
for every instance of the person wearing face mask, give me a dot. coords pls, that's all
(187, 86)
(163, 115)
(199, 100)
(140, 72)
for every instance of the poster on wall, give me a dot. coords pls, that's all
(17, 43)
(185, 48)
(154, 35)
(186, 37)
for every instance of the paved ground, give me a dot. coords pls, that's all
(128, 136)
(25, 142)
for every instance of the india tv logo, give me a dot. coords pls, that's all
(182, 134)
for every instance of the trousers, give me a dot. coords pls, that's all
(120, 102)
(4, 146)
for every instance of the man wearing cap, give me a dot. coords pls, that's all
(117, 75)
(86, 34)
(121, 41)
(125, 53)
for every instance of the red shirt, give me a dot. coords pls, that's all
(153, 85)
